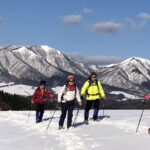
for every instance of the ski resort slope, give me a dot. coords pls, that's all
(113, 132)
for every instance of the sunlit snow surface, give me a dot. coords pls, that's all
(21, 89)
(18, 89)
(113, 132)
(125, 94)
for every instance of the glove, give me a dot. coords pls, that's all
(80, 104)
(52, 96)
(104, 98)
(32, 102)
(59, 102)
(58, 108)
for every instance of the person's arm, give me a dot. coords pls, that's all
(60, 94)
(101, 90)
(49, 94)
(84, 88)
(34, 97)
(78, 96)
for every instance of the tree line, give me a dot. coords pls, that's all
(17, 102)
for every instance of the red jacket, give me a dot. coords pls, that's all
(40, 96)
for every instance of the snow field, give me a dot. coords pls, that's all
(113, 132)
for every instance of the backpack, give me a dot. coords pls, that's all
(90, 83)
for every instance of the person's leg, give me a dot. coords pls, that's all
(37, 112)
(96, 109)
(63, 114)
(87, 108)
(70, 108)
(41, 112)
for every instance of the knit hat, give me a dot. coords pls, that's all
(93, 73)
(71, 78)
(43, 83)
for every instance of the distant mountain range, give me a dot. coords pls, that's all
(131, 75)
(31, 64)
(28, 65)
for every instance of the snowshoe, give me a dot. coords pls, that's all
(69, 128)
(86, 122)
(59, 128)
(95, 119)
(38, 121)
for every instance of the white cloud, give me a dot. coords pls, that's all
(87, 11)
(132, 24)
(144, 16)
(73, 19)
(140, 24)
(96, 60)
(108, 27)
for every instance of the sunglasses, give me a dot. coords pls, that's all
(71, 81)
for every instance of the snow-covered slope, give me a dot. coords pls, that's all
(18, 89)
(115, 131)
(127, 96)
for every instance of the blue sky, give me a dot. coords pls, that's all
(109, 30)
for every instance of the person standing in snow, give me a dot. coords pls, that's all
(147, 97)
(39, 98)
(93, 91)
(66, 98)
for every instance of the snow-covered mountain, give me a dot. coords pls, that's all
(30, 64)
(132, 75)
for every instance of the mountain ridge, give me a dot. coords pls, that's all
(30, 64)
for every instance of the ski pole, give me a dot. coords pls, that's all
(29, 113)
(76, 116)
(51, 119)
(140, 117)
(103, 108)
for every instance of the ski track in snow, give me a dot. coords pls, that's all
(66, 138)
(79, 138)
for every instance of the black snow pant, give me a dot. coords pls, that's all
(88, 107)
(39, 111)
(68, 106)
